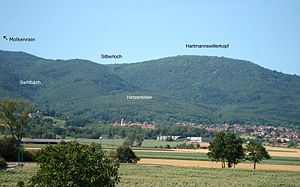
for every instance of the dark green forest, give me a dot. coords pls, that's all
(195, 89)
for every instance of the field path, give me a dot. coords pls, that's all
(209, 164)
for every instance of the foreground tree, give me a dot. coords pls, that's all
(226, 148)
(15, 115)
(73, 164)
(256, 152)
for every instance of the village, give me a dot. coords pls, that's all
(268, 133)
(264, 133)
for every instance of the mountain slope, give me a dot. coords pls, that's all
(240, 90)
(184, 88)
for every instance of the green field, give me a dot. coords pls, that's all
(105, 142)
(172, 155)
(146, 175)
(114, 143)
(202, 156)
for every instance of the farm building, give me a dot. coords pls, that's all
(42, 141)
(199, 139)
(180, 138)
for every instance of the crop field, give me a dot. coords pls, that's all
(143, 175)
(203, 157)
(209, 164)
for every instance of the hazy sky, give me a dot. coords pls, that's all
(264, 32)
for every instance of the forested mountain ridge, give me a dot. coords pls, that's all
(201, 89)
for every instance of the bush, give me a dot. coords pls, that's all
(73, 164)
(169, 139)
(3, 164)
(9, 151)
(167, 146)
(185, 146)
(126, 155)
(31, 156)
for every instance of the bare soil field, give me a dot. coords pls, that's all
(209, 164)
(282, 151)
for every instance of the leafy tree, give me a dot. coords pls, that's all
(126, 155)
(226, 148)
(134, 139)
(256, 152)
(216, 149)
(293, 144)
(15, 114)
(73, 164)
(234, 151)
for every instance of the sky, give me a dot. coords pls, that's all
(266, 32)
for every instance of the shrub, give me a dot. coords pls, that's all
(3, 164)
(73, 164)
(9, 151)
(169, 139)
(185, 146)
(126, 155)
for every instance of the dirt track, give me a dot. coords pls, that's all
(209, 164)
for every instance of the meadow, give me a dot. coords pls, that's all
(152, 175)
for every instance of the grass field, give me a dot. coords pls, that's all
(149, 175)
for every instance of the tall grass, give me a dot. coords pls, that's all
(147, 175)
